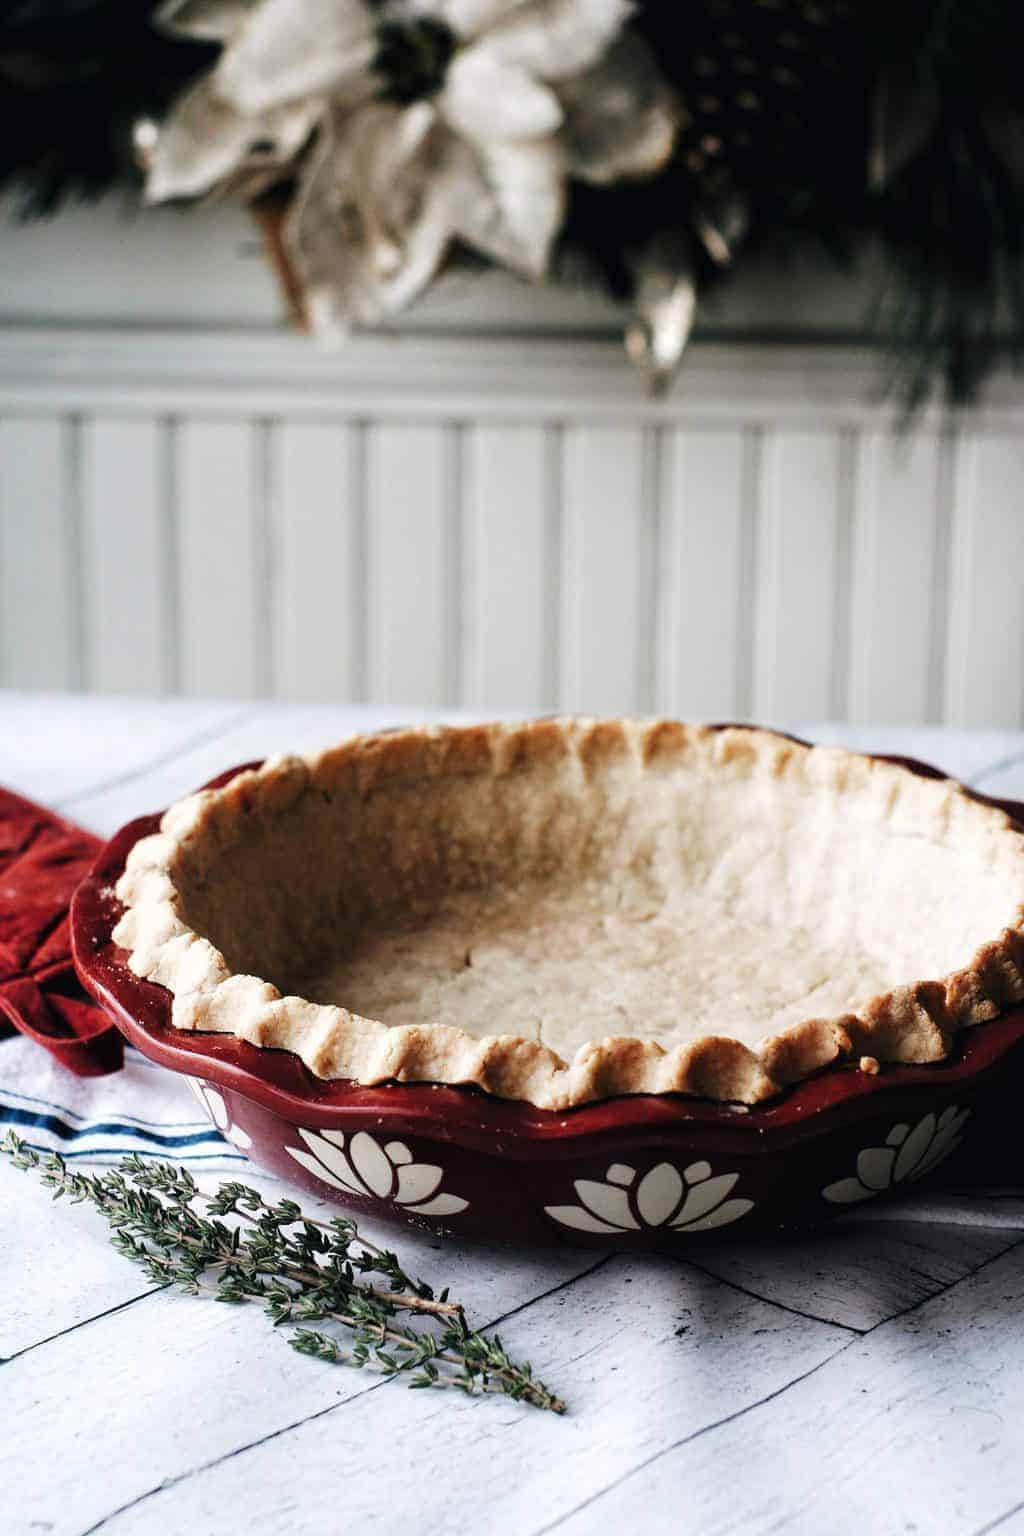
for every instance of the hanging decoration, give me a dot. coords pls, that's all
(651, 144)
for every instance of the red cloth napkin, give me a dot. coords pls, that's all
(42, 859)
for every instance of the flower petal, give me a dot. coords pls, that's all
(398, 1152)
(554, 39)
(608, 1202)
(517, 205)
(659, 1192)
(417, 1181)
(204, 141)
(620, 1173)
(580, 1220)
(940, 1149)
(333, 1158)
(847, 1191)
(314, 1166)
(875, 1167)
(441, 1205)
(466, 18)
(722, 1216)
(914, 1148)
(697, 1172)
(486, 99)
(703, 1196)
(284, 52)
(371, 1164)
(239, 1138)
(212, 21)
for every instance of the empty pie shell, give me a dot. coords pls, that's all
(568, 910)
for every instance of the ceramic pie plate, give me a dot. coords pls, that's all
(630, 1171)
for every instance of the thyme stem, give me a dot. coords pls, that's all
(302, 1269)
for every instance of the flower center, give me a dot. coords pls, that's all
(412, 57)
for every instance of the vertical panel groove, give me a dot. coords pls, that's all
(845, 579)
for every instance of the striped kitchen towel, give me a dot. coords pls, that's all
(143, 1108)
(62, 1083)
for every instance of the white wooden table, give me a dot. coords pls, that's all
(869, 1380)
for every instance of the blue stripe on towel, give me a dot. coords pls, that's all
(53, 1123)
(126, 1120)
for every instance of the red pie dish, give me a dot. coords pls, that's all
(808, 1124)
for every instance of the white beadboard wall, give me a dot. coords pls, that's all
(504, 523)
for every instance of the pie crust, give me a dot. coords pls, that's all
(567, 910)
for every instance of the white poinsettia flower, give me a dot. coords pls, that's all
(360, 1165)
(909, 1153)
(215, 1107)
(695, 1200)
(430, 121)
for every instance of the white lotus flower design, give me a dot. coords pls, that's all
(360, 1165)
(909, 1153)
(692, 1201)
(217, 1110)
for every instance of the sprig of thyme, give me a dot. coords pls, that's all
(303, 1270)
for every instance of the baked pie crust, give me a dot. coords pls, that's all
(567, 910)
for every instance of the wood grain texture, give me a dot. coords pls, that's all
(82, 1284)
(928, 1436)
(632, 1321)
(853, 1277)
(221, 1377)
